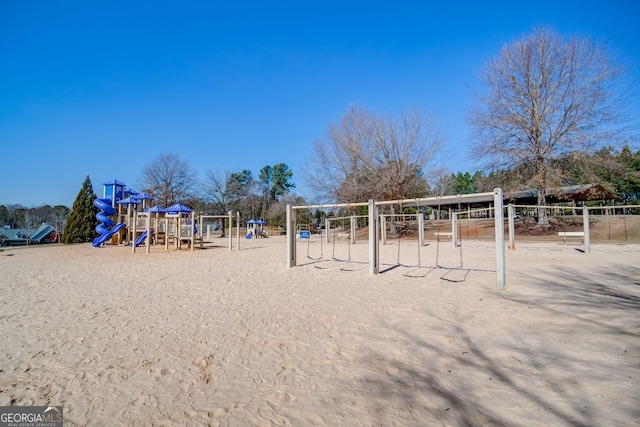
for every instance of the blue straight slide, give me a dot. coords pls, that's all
(141, 238)
(107, 235)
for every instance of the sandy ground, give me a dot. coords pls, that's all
(213, 337)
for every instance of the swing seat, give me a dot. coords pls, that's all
(571, 234)
(438, 234)
(342, 236)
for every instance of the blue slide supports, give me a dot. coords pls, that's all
(106, 210)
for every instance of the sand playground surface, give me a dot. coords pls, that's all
(221, 338)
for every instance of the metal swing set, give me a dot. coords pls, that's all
(375, 230)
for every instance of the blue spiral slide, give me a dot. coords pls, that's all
(105, 233)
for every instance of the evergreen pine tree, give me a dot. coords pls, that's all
(80, 227)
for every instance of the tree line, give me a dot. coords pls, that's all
(617, 170)
(170, 179)
(266, 197)
(18, 216)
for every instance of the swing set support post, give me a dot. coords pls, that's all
(420, 229)
(291, 237)
(374, 243)
(501, 278)
(383, 229)
(512, 235)
(327, 228)
(354, 225)
(454, 228)
(585, 229)
(237, 230)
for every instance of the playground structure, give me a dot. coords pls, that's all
(125, 219)
(178, 225)
(255, 229)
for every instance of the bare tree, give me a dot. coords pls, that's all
(59, 217)
(214, 189)
(169, 179)
(31, 220)
(367, 156)
(276, 216)
(444, 184)
(547, 96)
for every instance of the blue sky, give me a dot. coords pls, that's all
(101, 88)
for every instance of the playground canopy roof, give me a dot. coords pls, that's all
(255, 221)
(144, 196)
(129, 201)
(178, 208)
(156, 209)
